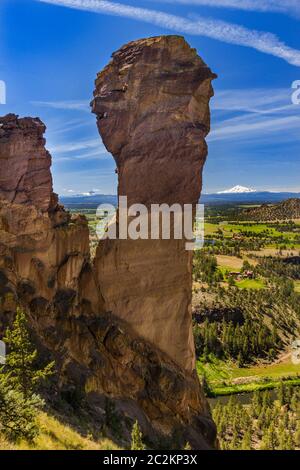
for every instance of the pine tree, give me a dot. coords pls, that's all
(295, 400)
(234, 440)
(266, 400)
(297, 434)
(240, 360)
(137, 438)
(187, 446)
(286, 440)
(246, 441)
(17, 414)
(281, 394)
(21, 358)
(290, 442)
(265, 442)
(256, 404)
(271, 438)
(18, 381)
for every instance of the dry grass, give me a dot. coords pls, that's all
(54, 435)
(274, 252)
(230, 262)
(297, 286)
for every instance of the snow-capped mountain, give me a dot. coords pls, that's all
(237, 190)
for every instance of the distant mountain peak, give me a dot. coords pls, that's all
(237, 190)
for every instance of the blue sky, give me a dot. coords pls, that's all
(51, 50)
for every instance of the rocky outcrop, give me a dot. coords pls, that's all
(152, 107)
(117, 328)
(25, 176)
(44, 251)
(101, 359)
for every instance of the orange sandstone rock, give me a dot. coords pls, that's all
(152, 107)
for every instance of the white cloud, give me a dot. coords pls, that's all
(291, 7)
(64, 127)
(254, 100)
(96, 155)
(73, 151)
(72, 147)
(245, 127)
(65, 105)
(216, 29)
(255, 114)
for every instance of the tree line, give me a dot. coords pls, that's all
(245, 343)
(263, 424)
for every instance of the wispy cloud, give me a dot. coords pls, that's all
(72, 147)
(216, 29)
(82, 105)
(247, 127)
(255, 114)
(254, 100)
(63, 126)
(89, 149)
(291, 7)
(90, 156)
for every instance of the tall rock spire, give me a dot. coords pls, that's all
(152, 107)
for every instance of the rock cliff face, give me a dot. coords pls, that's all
(43, 250)
(115, 331)
(152, 107)
(25, 176)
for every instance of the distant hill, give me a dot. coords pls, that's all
(255, 197)
(285, 210)
(87, 202)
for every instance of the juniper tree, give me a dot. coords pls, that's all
(269, 440)
(18, 381)
(297, 434)
(295, 401)
(246, 441)
(240, 360)
(137, 438)
(17, 414)
(22, 357)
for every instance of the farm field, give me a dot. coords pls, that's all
(225, 378)
(230, 262)
(241, 266)
(270, 250)
(229, 229)
(251, 284)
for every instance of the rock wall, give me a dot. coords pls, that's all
(25, 176)
(116, 329)
(152, 107)
(44, 252)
